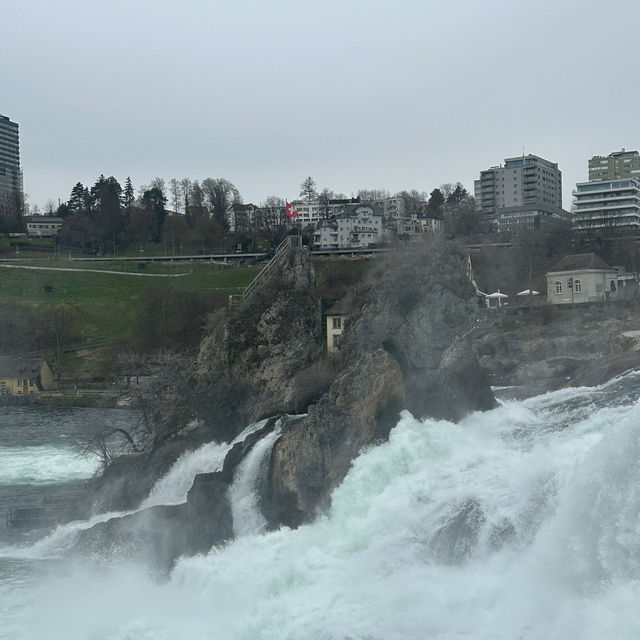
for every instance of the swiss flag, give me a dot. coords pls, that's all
(291, 212)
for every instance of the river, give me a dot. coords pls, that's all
(518, 523)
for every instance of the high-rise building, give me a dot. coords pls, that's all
(10, 173)
(617, 165)
(526, 192)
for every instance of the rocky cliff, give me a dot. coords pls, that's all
(404, 347)
(248, 365)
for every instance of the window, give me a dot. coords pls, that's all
(337, 323)
(336, 340)
(577, 286)
(558, 286)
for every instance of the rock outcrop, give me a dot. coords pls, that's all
(402, 349)
(545, 348)
(247, 365)
(160, 534)
(311, 459)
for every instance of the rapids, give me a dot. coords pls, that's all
(518, 523)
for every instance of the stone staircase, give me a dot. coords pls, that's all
(290, 242)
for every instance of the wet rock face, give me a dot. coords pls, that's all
(401, 349)
(157, 536)
(311, 459)
(549, 348)
(416, 310)
(246, 365)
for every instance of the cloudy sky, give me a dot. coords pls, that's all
(356, 93)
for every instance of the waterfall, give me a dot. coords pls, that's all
(243, 493)
(517, 523)
(172, 488)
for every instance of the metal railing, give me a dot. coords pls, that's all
(289, 242)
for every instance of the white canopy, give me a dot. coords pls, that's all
(528, 292)
(497, 294)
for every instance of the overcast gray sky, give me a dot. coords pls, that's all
(358, 94)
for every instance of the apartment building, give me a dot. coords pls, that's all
(358, 226)
(525, 192)
(314, 212)
(617, 165)
(10, 173)
(612, 205)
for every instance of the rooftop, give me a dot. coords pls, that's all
(580, 261)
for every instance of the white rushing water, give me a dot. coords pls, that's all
(172, 488)
(44, 464)
(247, 518)
(518, 523)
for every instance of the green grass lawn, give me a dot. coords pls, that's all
(104, 305)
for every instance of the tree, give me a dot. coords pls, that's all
(435, 204)
(185, 191)
(373, 195)
(272, 220)
(142, 225)
(308, 190)
(324, 200)
(221, 195)
(128, 195)
(153, 201)
(457, 195)
(175, 230)
(159, 184)
(78, 198)
(175, 191)
(462, 219)
(413, 202)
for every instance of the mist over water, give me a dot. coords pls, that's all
(521, 522)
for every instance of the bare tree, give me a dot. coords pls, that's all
(272, 221)
(221, 195)
(185, 192)
(373, 195)
(324, 200)
(175, 192)
(159, 184)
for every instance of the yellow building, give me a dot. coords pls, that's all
(24, 376)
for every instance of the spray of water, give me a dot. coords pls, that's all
(519, 523)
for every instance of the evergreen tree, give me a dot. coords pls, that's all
(435, 203)
(153, 201)
(308, 189)
(128, 195)
(77, 198)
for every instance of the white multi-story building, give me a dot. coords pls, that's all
(314, 212)
(525, 190)
(606, 204)
(43, 226)
(358, 226)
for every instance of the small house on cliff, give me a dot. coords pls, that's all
(585, 277)
(336, 317)
(24, 376)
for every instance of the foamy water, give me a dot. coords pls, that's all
(519, 523)
(44, 464)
